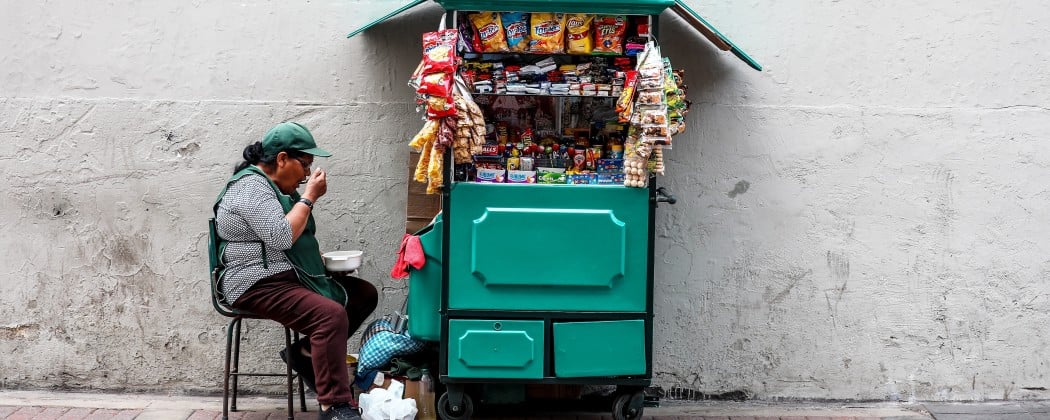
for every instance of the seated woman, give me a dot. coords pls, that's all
(273, 262)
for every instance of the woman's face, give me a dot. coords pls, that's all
(291, 171)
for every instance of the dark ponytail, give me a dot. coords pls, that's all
(253, 154)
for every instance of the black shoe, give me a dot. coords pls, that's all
(342, 411)
(301, 365)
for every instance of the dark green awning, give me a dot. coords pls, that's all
(700, 24)
(374, 12)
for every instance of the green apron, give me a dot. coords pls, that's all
(305, 254)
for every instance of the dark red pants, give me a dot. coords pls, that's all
(328, 324)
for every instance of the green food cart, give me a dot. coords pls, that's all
(508, 297)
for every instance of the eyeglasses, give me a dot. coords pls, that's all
(306, 166)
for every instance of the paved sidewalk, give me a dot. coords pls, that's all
(76, 406)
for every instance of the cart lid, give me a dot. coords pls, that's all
(721, 41)
(375, 12)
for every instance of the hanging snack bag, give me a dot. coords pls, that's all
(548, 33)
(516, 27)
(578, 33)
(439, 51)
(436, 84)
(490, 30)
(608, 34)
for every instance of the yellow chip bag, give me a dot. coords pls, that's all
(548, 33)
(578, 32)
(490, 31)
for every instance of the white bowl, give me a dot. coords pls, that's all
(342, 260)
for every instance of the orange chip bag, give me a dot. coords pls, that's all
(490, 30)
(578, 33)
(548, 33)
(608, 34)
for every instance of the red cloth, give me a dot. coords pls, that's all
(410, 253)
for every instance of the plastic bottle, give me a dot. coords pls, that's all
(425, 405)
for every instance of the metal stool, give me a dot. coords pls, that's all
(233, 352)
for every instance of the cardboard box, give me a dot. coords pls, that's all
(421, 207)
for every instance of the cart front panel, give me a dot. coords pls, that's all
(548, 247)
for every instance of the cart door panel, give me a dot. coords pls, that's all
(599, 348)
(495, 349)
(548, 247)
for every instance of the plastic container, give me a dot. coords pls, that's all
(342, 261)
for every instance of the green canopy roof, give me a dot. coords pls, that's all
(374, 12)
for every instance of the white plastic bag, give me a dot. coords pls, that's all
(387, 404)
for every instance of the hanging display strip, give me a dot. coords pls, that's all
(590, 100)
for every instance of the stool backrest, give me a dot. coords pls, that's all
(215, 266)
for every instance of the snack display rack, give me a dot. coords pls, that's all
(544, 283)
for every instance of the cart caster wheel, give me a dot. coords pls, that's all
(447, 412)
(622, 409)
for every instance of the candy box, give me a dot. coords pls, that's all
(521, 177)
(544, 177)
(583, 179)
(609, 165)
(611, 178)
(490, 175)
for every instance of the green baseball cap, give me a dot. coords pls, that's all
(291, 136)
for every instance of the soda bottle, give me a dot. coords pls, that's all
(427, 410)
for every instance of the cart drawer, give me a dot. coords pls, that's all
(424, 288)
(548, 247)
(602, 348)
(495, 349)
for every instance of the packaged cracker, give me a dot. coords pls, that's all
(578, 33)
(608, 34)
(490, 30)
(547, 33)
(439, 51)
(516, 28)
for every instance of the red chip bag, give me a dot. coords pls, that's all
(439, 51)
(436, 84)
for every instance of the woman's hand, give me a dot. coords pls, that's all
(317, 186)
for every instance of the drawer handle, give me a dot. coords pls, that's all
(497, 326)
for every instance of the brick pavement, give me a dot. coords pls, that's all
(19, 405)
(80, 413)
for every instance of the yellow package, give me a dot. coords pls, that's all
(489, 28)
(548, 33)
(578, 33)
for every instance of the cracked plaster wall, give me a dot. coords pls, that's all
(863, 220)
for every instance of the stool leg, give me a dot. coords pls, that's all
(302, 389)
(226, 372)
(288, 371)
(236, 362)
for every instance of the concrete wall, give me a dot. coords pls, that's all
(861, 221)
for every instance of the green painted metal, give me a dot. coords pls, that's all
(495, 349)
(548, 247)
(631, 7)
(602, 259)
(384, 8)
(602, 348)
(732, 47)
(424, 287)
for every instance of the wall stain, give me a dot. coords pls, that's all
(740, 188)
(18, 332)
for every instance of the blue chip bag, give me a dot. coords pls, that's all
(516, 26)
